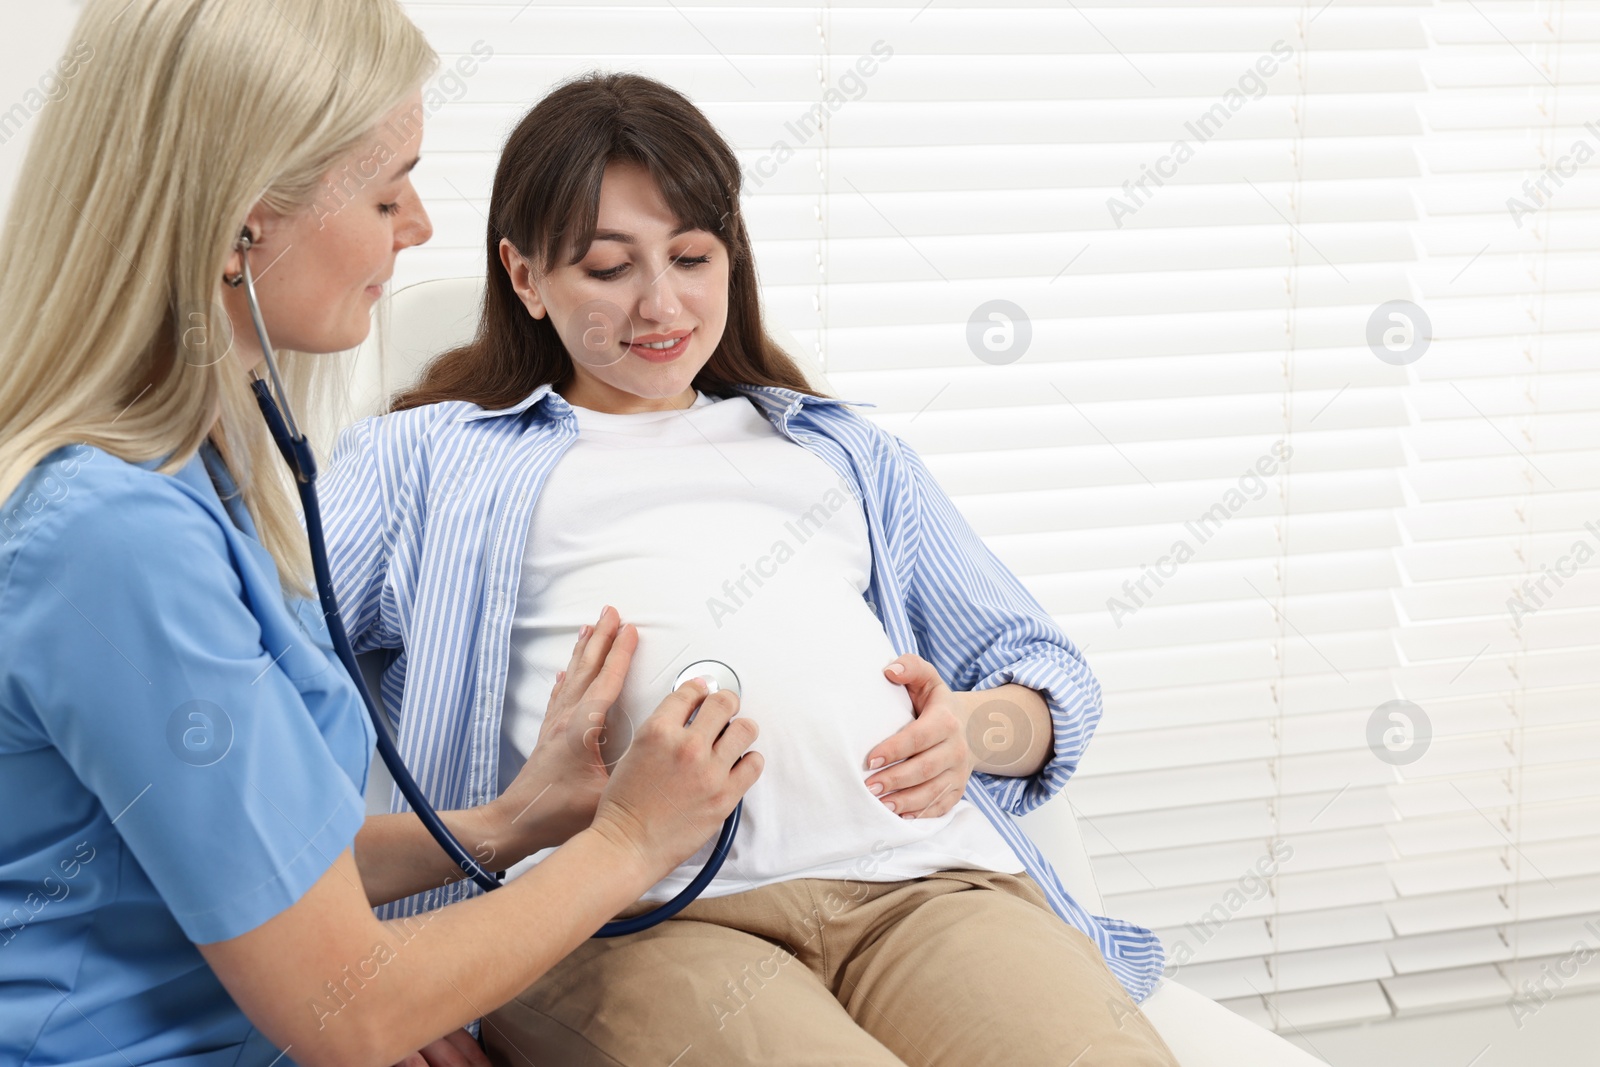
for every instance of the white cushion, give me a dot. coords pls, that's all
(1053, 826)
(1202, 1033)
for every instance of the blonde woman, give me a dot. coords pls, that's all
(185, 872)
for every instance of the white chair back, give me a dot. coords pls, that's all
(411, 326)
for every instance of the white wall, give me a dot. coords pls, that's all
(35, 37)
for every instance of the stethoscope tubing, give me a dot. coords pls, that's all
(296, 450)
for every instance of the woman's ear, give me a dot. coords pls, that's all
(520, 271)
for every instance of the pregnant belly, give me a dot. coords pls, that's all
(822, 701)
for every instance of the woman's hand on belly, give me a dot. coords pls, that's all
(556, 792)
(928, 761)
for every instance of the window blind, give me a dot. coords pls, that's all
(1213, 321)
(1497, 848)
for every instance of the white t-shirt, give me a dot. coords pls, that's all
(721, 539)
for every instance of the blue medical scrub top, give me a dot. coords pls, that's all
(181, 757)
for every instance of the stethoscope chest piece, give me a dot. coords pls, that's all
(721, 675)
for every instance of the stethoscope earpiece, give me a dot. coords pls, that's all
(243, 245)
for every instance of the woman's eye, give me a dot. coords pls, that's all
(388, 209)
(687, 262)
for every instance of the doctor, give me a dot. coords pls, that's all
(186, 875)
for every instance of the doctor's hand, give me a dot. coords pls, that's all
(927, 762)
(453, 1050)
(556, 792)
(678, 781)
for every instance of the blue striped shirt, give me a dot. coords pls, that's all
(428, 511)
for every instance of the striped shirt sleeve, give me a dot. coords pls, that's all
(355, 513)
(980, 628)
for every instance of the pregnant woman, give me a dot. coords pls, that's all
(622, 431)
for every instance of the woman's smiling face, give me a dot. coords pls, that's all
(645, 279)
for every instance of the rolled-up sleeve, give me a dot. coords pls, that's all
(128, 640)
(980, 628)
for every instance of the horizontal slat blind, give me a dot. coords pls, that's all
(1238, 608)
(1497, 850)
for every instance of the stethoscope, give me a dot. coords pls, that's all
(297, 453)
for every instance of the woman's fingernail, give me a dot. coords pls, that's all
(585, 630)
(875, 788)
(909, 815)
(889, 804)
(896, 668)
(877, 761)
(559, 676)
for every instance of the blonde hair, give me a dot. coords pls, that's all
(181, 117)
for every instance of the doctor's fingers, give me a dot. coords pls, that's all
(736, 740)
(674, 710)
(715, 712)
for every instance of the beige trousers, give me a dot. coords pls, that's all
(954, 969)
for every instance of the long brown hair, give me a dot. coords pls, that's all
(547, 186)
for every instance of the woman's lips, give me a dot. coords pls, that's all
(661, 355)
